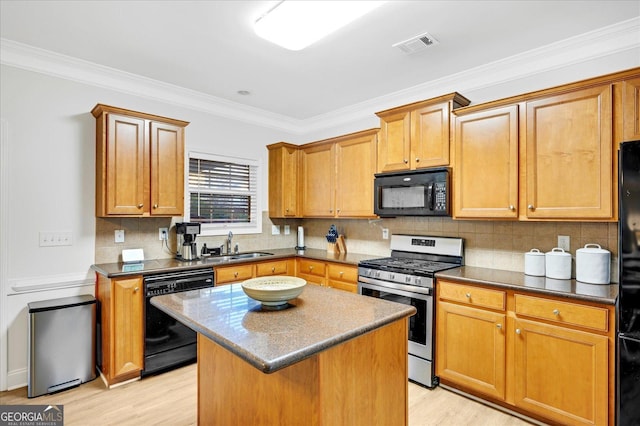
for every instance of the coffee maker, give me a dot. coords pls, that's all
(188, 230)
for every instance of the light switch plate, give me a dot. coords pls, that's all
(275, 229)
(287, 230)
(385, 233)
(56, 238)
(119, 236)
(163, 233)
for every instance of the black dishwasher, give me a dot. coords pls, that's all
(167, 342)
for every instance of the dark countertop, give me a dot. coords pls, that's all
(155, 266)
(317, 320)
(571, 289)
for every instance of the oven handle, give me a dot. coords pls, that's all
(423, 293)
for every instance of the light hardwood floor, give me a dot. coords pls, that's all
(170, 399)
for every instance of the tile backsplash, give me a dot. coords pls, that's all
(489, 244)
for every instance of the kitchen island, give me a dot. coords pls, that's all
(329, 358)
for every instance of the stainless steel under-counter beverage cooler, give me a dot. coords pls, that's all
(61, 344)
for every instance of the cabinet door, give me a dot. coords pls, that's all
(631, 109)
(486, 164)
(430, 136)
(569, 155)
(561, 374)
(394, 147)
(125, 165)
(127, 305)
(356, 163)
(470, 348)
(167, 169)
(318, 180)
(283, 184)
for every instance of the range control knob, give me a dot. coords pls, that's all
(407, 279)
(418, 281)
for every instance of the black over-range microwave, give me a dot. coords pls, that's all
(417, 193)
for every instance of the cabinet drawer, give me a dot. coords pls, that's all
(312, 279)
(563, 312)
(481, 297)
(343, 272)
(229, 274)
(312, 267)
(280, 267)
(343, 285)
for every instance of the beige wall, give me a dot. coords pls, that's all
(489, 244)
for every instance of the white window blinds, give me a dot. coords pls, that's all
(223, 194)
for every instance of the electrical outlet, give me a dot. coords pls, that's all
(385, 233)
(275, 229)
(163, 233)
(119, 236)
(287, 230)
(564, 242)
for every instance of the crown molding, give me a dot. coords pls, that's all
(593, 45)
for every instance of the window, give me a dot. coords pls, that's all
(224, 194)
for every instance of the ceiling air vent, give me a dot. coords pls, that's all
(417, 43)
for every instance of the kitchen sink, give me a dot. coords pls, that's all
(237, 256)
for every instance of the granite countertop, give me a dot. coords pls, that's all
(570, 289)
(318, 319)
(155, 266)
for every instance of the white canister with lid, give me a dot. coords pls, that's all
(557, 264)
(593, 264)
(534, 263)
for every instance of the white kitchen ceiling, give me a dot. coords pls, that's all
(209, 46)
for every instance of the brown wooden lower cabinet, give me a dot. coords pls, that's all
(549, 358)
(122, 327)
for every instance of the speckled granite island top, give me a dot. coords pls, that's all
(318, 319)
(571, 289)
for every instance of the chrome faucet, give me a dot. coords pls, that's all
(229, 237)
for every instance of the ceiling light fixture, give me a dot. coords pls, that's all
(295, 25)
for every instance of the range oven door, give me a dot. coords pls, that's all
(420, 324)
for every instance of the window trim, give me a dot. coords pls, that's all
(209, 229)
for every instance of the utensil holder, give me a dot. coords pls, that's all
(331, 247)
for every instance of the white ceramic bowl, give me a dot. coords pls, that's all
(274, 290)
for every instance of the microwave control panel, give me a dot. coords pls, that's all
(440, 202)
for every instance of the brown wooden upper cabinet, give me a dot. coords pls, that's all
(283, 180)
(417, 135)
(336, 176)
(568, 156)
(631, 109)
(139, 163)
(485, 175)
(546, 155)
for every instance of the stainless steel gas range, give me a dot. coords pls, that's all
(408, 277)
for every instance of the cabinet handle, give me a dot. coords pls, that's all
(556, 312)
(499, 326)
(311, 268)
(530, 207)
(512, 207)
(135, 290)
(406, 161)
(155, 206)
(517, 331)
(417, 159)
(140, 205)
(235, 275)
(468, 295)
(341, 273)
(273, 269)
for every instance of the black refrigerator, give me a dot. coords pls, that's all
(628, 304)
